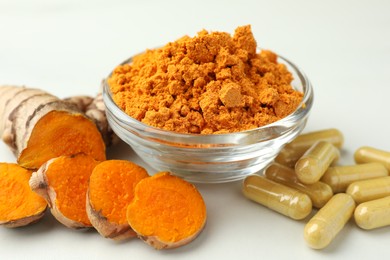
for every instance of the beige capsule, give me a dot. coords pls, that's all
(318, 192)
(371, 189)
(368, 154)
(329, 221)
(291, 153)
(339, 177)
(315, 161)
(373, 214)
(277, 197)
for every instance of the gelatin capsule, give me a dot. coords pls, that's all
(329, 221)
(373, 214)
(339, 177)
(277, 197)
(315, 161)
(318, 192)
(368, 154)
(371, 189)
(291, 153)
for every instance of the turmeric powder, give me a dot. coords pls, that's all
(209, 84)
(110, 190)
(19, 205)
(166, 211)
(63, 182)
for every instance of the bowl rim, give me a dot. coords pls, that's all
(165, 136)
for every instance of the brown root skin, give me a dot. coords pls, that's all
(12, 98)
(96, 111)
(106, 228)
(39, 183)
(82, 102)
(19, 205)
(22, 111)
(158, 244)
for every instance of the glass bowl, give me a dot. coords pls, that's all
(212, 158)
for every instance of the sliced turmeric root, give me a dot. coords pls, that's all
(60, 133)
(38, 126)
(166, 211)
(111, 189)
(63, 182)
(19, 205)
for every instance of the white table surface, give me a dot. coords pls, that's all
(67, 47)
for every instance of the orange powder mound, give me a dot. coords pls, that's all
(69, 177)
(211, 83)
(111, 188)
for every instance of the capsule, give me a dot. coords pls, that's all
(366, 190)
(277, 197)
(339, 177)
(318, 192)
(291, 153)
(368, 154)
(315, 161)
(329, 220)
(373, 214)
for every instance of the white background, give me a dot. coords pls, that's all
(67, 47)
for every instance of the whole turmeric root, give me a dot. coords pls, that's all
(63, 182)
(19, 205)
(166, 211)
(111, 189)
(38, 126)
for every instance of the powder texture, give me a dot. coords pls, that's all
(210, 84)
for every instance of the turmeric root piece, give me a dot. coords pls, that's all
(95, 110)
(166, 211)
(111, 189)
(19, 205)
(38, 126)
(63, 182)
(82, 102)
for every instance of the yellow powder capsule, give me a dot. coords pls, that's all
(329, 220)
(368, 154)
(277, 197)
(291, 153)
(373, 214)
(339, 177)
(318, 192)
(366, 190)
(315, 161)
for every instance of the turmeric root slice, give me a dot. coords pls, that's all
(38, 126)
(19, 205)
(63, 182)
(61, 133)
(166, 211)
(111, 189)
